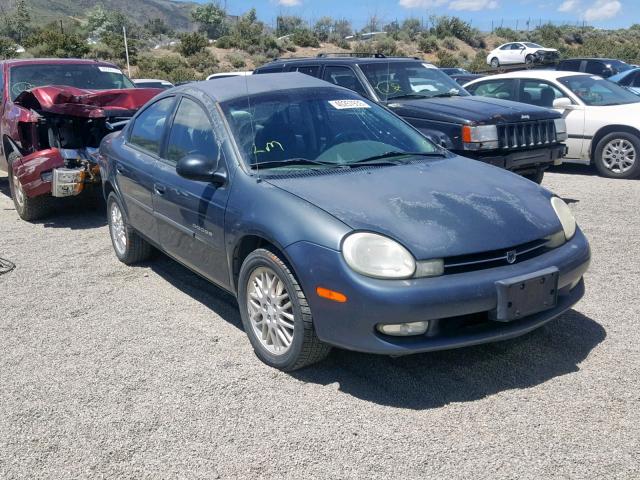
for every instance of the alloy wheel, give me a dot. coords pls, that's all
(270, 310)
(117, 227)
(619, 155)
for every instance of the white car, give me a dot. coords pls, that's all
(520, 52)
(216, 76)
(602, 118)
(152, 83)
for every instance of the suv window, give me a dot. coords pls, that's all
(312, 70)
(595, 67)
(344, 77)
(570, 66)
(498, 88)
(539, 93)
(191, 133)
(148, 128)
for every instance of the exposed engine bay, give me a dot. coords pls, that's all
(59, 132)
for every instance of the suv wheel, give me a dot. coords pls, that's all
(130, 247)
(535, 177)
(616, 155)
(28, 208)
(495, 63)
(275, 313)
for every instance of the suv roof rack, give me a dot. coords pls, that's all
(351, 54)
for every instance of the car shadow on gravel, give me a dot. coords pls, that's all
(436, 379)
(220, 302)
(4, 187)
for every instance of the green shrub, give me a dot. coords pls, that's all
(305, 38)
(191, 43)
(446, 59)
(7, 48)
(50, 42)
(428, 44)
(236, 60)
(507, 33)
(450, 43)
(203, 61)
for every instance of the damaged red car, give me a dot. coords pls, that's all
(53, 115)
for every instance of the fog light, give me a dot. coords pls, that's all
(403, 329)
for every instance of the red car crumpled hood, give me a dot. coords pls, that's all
(85, 103)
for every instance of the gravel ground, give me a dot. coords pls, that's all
(112, 371)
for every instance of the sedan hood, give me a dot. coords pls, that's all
(435, 208)
(77, 102)
(470, 109)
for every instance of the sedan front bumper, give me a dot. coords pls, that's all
(458, 306)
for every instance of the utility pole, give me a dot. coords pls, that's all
(126, 49)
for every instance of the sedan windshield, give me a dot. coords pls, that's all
(85, 76)
(596, 91)
(321, 128)
(410, 79)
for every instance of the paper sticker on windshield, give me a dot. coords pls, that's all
(110, 70)
(344, 104)
(428, 65)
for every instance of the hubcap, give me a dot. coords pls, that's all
(619, 155)
(117, 228)
(18, 191)
(270, 310)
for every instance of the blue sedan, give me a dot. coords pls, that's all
(629, 79)
(335, 223)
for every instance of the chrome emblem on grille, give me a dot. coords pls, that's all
(525, 117)
(511, 256)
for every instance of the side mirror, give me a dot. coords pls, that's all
(562, 103)
(198, 167)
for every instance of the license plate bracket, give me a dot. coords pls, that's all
(519, 297)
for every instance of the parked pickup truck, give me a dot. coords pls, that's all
(53, 114)
(522, 138)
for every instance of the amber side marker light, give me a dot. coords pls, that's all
(331, 295)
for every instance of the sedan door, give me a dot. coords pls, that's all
(135, 168)
(190, 213)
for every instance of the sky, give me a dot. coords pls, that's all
(481, 13)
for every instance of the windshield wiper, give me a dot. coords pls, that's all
(408, 95)
(291, 162)
(392, 154)
(446, 94)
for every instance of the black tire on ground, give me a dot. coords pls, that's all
(305, 347)
(535, 177)
(28, 208)
(135, 248)
(599, 161)
(495, 63)
(528, 59)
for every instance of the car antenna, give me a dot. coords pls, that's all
(253, 130)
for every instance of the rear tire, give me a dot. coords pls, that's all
(495, 63)
(130, 248)
(276, 315)
(28, 208)
(616, 155)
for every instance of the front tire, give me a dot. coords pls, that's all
(616, 155)
(130, 247)
(275, 313)
(495, 63)
(529, 59)
(535, 177)
(29, 208)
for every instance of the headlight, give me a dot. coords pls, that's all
(565, 216)
(561, 129)
(377, 256)
(480, 137)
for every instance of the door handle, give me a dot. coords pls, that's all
(120, 169)
(159, 189)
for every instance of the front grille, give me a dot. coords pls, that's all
(527, 134)
(496, 258)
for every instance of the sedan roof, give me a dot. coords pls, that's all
(232, 88)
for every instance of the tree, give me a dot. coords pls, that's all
(51, 42)
(212, 20)
(192, 43)
(342, 28)
(157, 27)
(286, 25)
(412, 27)
(305, 38)
(21, 19)
(323, 28)
(7, 48)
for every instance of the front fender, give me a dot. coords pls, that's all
(30, 169)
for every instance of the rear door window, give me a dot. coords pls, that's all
(344, 77)
(499, 88)
(312, 70)
(539, 93)
(595, 67)
(148, 129)
(569, 66)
